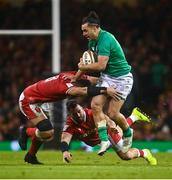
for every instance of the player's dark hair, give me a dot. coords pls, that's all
(71, 104)
(82, 83)
(92, 19)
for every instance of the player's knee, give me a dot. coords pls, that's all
(48, 135)
(113, 114)
(96, 107)
(127, 156)
(124, 156)
(45, 130)
(44, 125)
(45, 135)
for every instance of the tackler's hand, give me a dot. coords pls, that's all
(67, 156)
(112, 92)
(81, 64)
(65, 77)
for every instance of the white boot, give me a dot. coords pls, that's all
(103, 147)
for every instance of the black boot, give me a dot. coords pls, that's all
(22, 140)
(31, 159)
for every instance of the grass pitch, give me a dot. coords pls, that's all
(84, 166)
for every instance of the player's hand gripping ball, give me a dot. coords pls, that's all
(88, 57)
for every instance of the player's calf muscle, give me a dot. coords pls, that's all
(124, 156)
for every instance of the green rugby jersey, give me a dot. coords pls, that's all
(107, 45)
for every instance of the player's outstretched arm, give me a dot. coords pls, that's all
(64, 146)
(77, 91)
(93, 91)
(90, 91)
(93, 80)
(77, 76)
(112, 92)
(67, 156)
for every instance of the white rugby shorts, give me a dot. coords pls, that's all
(122, 84)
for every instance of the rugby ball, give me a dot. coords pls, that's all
(88, 57)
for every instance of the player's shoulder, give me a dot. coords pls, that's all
(104, 38)
(107, 35)
(88, 111)
(69, 120)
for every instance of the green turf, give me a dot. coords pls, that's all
(84, 166)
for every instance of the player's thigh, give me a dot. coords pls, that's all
(98, 102)
(33, 112)
(114, 107)
(122, 84)
(38, 119)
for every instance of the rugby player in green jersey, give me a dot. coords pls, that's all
(115, 72)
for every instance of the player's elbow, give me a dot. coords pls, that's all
(102, 62)
(101, 67)
(77, 91)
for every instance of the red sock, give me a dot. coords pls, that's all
(129, 121)
(35, 145)
(31, 132)
(141, 152)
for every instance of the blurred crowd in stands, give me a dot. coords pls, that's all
(23, 58)
(143, 30)
(22, 61)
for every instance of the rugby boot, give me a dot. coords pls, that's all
(23, 137)
(31, 159)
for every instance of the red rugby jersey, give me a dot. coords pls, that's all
(84, 131)
(49, 90)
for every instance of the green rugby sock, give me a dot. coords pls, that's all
(103, 133)
(127, 132)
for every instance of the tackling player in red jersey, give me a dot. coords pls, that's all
(49, 90)
(80, 125)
